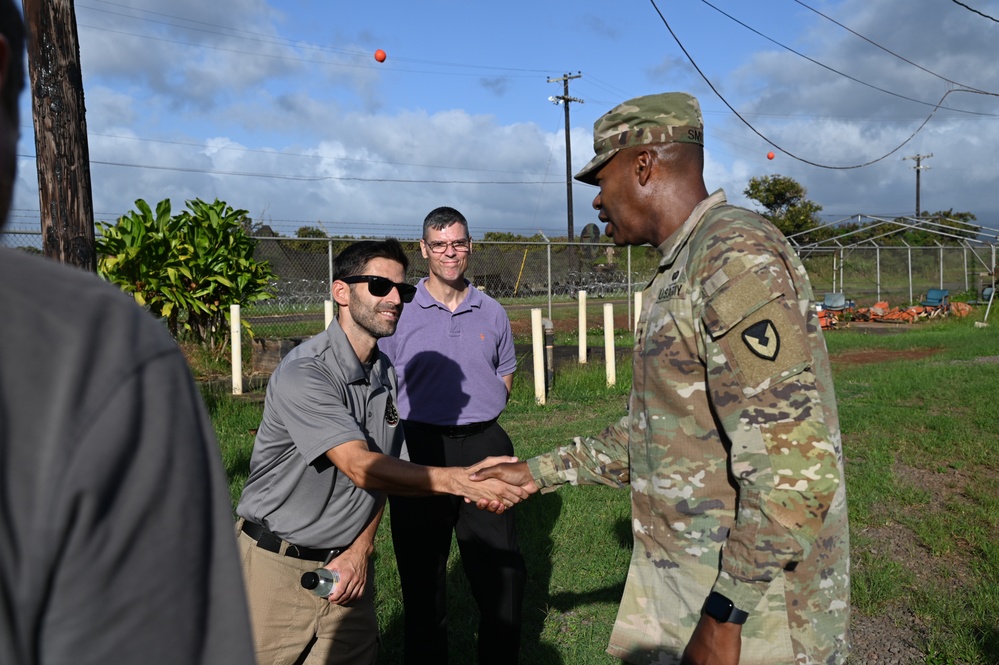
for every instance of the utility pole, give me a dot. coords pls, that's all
(565, 99)
(918, 167)
(62, 153)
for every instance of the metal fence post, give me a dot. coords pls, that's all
(908, 251)
(631, 322)
(549, 259)
(941, 265)
(877, 254)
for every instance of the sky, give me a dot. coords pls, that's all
(278, 107)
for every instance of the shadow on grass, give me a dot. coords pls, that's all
(536, 519)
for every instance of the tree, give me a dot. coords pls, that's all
(309, 247)
(186, 269)
(784, 203)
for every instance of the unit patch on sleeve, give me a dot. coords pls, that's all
(762, 339)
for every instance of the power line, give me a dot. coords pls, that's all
(273, 153)
(886, 50)
(972, 9)
(770, 141)
(303, 178)
(843, 74)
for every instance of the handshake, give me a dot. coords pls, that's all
(495, 483)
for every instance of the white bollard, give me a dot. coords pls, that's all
(610, 357)
(582, 327)
(236, 337)
(538, 344)
(638, 309)
(329, 313)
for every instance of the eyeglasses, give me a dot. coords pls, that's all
(440, 246)
(381, 286)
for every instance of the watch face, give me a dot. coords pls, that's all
(718, 607)
(723, 610)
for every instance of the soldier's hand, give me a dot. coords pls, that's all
(489, 461)
(713, 643)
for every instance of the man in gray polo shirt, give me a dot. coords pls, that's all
(328, 446)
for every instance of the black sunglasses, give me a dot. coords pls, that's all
(381, 286)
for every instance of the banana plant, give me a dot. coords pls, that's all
(186, 269)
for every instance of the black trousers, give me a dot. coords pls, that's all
(490, 554)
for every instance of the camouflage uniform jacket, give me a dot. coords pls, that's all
(732, 450)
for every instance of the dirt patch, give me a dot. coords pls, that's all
(881, 356)
(897, 635)
(521, 326)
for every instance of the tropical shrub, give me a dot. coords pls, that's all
(186, 269)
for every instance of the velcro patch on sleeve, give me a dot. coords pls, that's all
(766, 347)
(759, 332)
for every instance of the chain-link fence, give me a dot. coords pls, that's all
(540, 273)
(901, 275)
(29, 241)
(525, 272)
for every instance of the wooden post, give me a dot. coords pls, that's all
(638, 309)
(62, 152)
(582, 327)
(236, 336)
(538, 348)
(610, 358)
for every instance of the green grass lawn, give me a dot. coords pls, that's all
(920, 438)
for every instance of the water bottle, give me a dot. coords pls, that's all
(321, 581)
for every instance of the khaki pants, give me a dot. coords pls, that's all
(291, 625)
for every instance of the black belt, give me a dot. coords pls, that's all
(270, 542)
(455, 431)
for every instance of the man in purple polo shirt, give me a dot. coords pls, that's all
(453, 352)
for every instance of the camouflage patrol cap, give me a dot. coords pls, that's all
(669, 117)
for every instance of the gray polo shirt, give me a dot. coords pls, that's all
(319, 396)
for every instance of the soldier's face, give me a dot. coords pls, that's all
(618, 200)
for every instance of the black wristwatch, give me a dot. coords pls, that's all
(723, 610)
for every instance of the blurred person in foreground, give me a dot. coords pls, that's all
(329, 446)
(731, 444)
(115, 519)
(455, 357)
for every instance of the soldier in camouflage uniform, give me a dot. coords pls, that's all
(731, 444)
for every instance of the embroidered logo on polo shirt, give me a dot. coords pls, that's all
(391, 414)
(762, 339)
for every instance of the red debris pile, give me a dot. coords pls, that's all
(881, 311)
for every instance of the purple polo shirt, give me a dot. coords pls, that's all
(451, 364)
